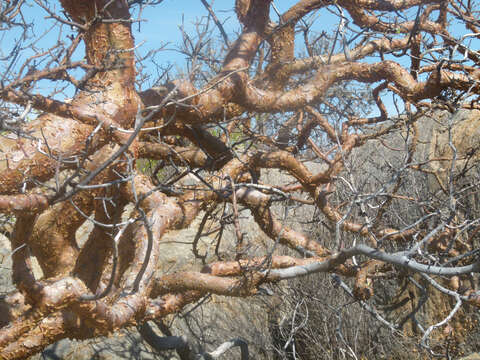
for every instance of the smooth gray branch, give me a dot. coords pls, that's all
(398, 259)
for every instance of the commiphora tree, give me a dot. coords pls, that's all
(284, 91)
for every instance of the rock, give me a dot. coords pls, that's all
(463, 130)
(474, 356)
(5, 265)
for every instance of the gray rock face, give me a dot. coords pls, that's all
(475, 356)
(5, 265)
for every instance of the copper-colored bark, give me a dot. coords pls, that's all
(263, 112)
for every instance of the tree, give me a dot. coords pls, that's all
(266, 104)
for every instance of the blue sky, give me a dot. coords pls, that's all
(159, 27)
(162, 24)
